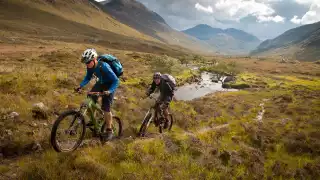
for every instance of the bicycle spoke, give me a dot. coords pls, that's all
(68, 134)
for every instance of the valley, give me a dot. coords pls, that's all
(268, 128)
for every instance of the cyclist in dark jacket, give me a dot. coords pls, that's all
(166, 85)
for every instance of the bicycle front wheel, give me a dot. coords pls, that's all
(145, 124)
(170, 122)
(68, 131)
(162, 123)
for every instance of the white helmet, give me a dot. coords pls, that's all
(88, 55)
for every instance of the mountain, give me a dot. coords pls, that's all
(72, 21)
(139, 17)
(203, 31)
(302, 43)
(228, 41)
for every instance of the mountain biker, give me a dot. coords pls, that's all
(108, 83)
(166, 84)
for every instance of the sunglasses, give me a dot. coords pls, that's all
(88, 62)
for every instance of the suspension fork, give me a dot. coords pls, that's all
(74, 119)
(92, 110)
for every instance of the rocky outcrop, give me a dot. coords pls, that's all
(40, 111)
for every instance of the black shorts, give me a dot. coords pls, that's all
(165, 100)
(106, 100)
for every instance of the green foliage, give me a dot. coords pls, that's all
(223, 68)
(184, 60)
(199, 59)
(165, 64)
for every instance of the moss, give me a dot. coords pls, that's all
(132, 81)
(4, 169)
(280, 155)
(185, 76)
(223, 68)
(235, 86)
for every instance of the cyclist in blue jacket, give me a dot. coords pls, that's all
(108, 83)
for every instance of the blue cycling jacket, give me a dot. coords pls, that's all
(108, 77)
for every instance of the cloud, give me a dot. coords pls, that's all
(295, 20)
(248, 15)
(238, 9)
(307, 2)
(312, 16)
(208, 9)
(276, 19)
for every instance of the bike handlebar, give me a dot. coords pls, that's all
(95, 93)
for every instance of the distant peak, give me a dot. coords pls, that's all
(128, 3)
(203, 26)
(134, 7)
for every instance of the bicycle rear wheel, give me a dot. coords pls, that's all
(70, 124)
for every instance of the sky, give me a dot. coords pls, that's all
(265, 19)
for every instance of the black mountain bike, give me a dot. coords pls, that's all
(156, 115)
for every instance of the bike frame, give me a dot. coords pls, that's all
(154, 110)
(89, 107)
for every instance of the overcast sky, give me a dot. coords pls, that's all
(263, 18)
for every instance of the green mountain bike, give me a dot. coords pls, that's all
(69, 129)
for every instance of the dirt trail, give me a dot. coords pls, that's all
(262, 111)
(205, 129)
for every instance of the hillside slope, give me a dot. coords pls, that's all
(228, 41)
(138, 16)
(301, 43)
(46, 22)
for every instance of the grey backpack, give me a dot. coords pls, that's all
(168, 78)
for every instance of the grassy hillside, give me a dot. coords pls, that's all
(269, 130)
(299, 43)
(217, 136)
(44, 23)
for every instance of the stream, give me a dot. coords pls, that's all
(199, 89)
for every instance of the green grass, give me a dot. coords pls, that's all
(197, 147)
(4, 169)
(285, 145)
(223, 68)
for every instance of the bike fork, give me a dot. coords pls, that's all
(70, 130)
(151, 118)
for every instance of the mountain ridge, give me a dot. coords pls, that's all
(300, 43)
(139, 17)
(230, 40)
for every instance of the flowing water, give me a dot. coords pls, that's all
(199, 89)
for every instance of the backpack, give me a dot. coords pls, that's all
(168, 78)
(114, 63)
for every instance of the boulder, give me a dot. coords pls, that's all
(228, 79)
(8, 132)
(37, 147)
(40, 111)
(14, 116)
